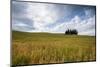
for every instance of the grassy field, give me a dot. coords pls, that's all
(43, 48)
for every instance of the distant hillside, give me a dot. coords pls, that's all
(27, 35)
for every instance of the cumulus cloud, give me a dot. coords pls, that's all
(84, 27)
(41, 14)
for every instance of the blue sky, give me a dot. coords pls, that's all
(53, 18)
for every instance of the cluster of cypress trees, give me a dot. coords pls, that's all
(70, 32)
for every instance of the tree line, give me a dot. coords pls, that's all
(70, 32)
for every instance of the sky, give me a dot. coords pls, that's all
(53, 18)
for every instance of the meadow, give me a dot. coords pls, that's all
(44, 48)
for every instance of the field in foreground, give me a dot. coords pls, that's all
(43, 48)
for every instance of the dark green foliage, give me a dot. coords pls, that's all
(69, 31)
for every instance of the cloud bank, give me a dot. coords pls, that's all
(53, 18)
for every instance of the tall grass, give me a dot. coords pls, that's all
(43, 48)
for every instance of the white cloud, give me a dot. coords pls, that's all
(42, 14)
(84, 27)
